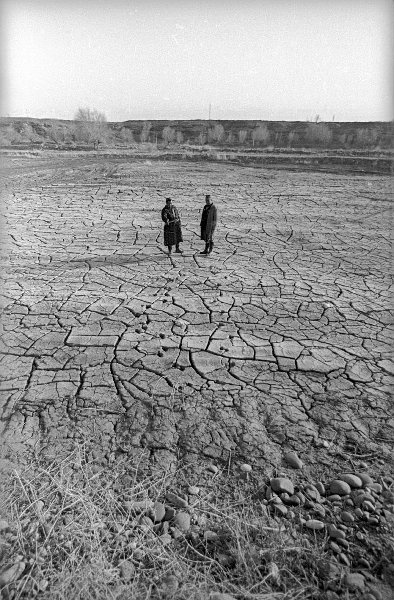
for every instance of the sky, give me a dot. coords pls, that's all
(191, 59)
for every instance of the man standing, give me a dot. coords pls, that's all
(172, 226)
(208, 224)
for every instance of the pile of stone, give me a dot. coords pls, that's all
(346, 510)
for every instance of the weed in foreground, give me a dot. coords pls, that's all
(75, 533)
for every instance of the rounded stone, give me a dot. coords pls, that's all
(351, 479)
(279, 509)
(193, 490)
(337, 486)
(365, 478)
(354, 581)
(182, 521)
(158, 511)
(282, 484)
(347, 517)
(314, 524)
(320, 488)
(375, 487)
(293, 460)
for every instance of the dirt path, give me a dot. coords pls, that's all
(280, 339)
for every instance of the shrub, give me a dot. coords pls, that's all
(242, 135)
(318, 133)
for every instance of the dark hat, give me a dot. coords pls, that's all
(168, 200)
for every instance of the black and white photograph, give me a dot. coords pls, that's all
(196, 265)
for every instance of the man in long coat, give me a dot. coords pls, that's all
(172, 226)
(208, 224)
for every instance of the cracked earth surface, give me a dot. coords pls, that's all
(281, 338)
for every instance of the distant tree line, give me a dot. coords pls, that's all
(91, 129)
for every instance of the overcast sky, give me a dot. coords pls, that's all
(171, 59)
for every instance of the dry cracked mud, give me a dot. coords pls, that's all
(281, 339)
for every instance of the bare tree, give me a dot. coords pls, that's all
(126, 135)
(260, 134)
(91, 126)
(202, 138)
(318, 133)
(366, 137)
(242, 135)
(146, 127)
(179, 137)
(168, 134)
(216, 133)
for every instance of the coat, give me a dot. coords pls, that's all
(172, 226)
(208, 222)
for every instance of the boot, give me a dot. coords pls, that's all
(210, 247)
(206, 249)
(177, 249)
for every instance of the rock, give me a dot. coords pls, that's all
(367, 505)
(176, 500)
(168, 586)
(182, 521)
(328, 569)
(365, 478)
(210, 536)
(169, 514)
(339, 487)
(375, 487)
(165, 539)
(334, 498)
(279, 509)
(374, 592)
(193, 490)
(344, 559)
(127, 570)
(12, 573)
(290, 500)
(319, 510)
(312, 492)
(145, 522)
(282, 484)
(335, 533)
(293, 460)
(314, 524)
(352, 480)
(158, 512)
(213, 468)
(354, 581)
(320, 488)
(347, 517)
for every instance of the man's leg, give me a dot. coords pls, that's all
(169, 249)
(177, 249)
(206, 248)
(210, 247)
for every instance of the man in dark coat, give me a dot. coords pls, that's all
(172, 226)
(208, 224)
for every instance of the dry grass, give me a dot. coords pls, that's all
(71, 528)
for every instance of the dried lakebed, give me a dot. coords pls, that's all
(280, 340)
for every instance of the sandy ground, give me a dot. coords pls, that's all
(280, 339)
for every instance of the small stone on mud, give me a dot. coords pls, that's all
(314, 524)
(352, 480)
(293, 460)
(127, 570)
(182, 521)
(281, 484)
(339, 487)
(354, 581)
(193, 490)
(176, 500)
